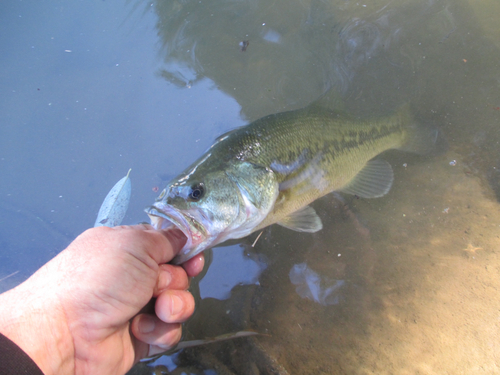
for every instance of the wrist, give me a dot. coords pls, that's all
(32, 320)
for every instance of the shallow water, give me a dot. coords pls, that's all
(407, 283)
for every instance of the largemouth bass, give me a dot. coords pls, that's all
(271, 170)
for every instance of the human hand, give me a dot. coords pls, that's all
(78, 313)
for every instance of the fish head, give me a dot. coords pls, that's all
(214, 206)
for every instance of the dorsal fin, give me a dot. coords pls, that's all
(227, 134)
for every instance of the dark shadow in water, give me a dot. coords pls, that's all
(375, 59)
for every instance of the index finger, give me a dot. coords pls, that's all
(173, 241)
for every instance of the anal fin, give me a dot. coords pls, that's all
(373, 181)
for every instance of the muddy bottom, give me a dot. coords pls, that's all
(422, 283)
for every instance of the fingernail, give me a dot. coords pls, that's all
(165, 278)
(146, 324)
(176, 305)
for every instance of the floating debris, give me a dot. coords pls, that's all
(254, 242)
(244, 45)
(6, 277)
(193, 343)
(115, 204)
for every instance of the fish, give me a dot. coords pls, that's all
(271, 170)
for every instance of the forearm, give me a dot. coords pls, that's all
(30, 318)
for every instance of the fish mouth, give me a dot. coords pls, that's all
(165, 217)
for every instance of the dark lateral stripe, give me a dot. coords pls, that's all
(356, 140)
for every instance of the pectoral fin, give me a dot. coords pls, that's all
(373, 181)
(303, 220)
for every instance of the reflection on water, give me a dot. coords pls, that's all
(401, 284)
(372, 53)
(310, 285)
(237, 267)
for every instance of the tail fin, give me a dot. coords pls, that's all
(419, 138)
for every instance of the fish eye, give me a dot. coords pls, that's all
(196, 193)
